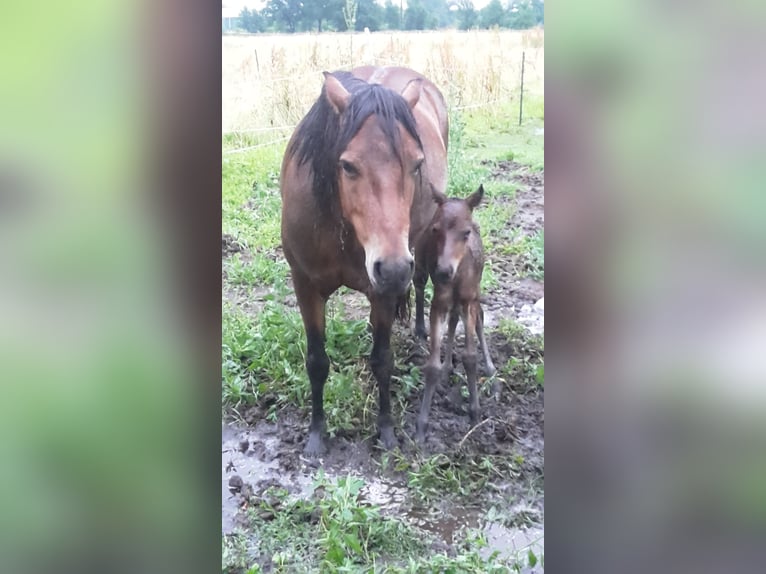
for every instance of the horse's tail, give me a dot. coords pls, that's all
(403, 306)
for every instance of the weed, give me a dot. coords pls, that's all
(259, 270)
(526, 365)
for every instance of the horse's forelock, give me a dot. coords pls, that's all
(323, 134)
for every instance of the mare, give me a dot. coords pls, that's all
(356, 186)
(451, 253)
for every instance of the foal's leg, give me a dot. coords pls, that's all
(470, 316)
(312, 306)
(420, 279)
(453, 318)
(382, 363)
(432, 370)
(491, 370)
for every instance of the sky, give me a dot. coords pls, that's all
(234, 7)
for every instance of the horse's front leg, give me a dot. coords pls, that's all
(382, 363)
(312, 306)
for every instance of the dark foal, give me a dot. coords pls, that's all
(451, 253)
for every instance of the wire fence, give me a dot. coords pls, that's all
(483, 73)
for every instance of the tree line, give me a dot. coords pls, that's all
(342, 15)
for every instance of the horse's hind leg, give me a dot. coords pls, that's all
(312, 306)
(382, 364)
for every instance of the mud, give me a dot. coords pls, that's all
(260, 453)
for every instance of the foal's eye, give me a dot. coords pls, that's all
(349, 169)
(466, 235)
(416, 170)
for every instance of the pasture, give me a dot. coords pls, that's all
(470, 499)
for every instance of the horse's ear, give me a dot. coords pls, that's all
(475, 198)
(438, 196)
(336, 94)
(411, 93)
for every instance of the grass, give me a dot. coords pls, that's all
(526, 366)
(337, 530)
(529, 253)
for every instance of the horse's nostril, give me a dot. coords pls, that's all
(376, 268)
(412, 265)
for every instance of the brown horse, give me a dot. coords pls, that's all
(452, 254)
(356, 194)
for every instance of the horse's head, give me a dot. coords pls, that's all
(379, 160)
(452, 227)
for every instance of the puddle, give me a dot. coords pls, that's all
(508, 542)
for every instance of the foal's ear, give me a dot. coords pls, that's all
(438, 196)
(411, 93)
(475, 198)
(336, 94)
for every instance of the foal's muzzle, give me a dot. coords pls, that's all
(393, 276)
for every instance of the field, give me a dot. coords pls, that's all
(470, 500)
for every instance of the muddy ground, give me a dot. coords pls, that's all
(258, 454)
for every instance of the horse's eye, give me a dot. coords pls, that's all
(466, 235)
(417, 167)
(435, 229)
(349, 168)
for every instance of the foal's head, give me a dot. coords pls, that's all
(378, 169)
(452, 227)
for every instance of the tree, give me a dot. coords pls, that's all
(286, 14)
(251, 20)
(492, 15)
(349, 13)
(467, 16)
(320, 11)
(369, 15)
(415, 16)
(392, 16)
(521, 15)
(437, 14)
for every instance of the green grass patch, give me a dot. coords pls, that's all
(251, 205)
(452, 476)
(526, 366)
(495, 133)
(259, 269)
(337, 530)
(530, 254)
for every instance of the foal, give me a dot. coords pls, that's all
(451, 252)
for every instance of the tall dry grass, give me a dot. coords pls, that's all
(270, 81)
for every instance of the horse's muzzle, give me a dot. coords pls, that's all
(393, 276)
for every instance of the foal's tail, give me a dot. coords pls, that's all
(403, 307)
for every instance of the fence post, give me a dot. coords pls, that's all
(521, 95)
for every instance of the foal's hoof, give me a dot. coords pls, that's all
(491, 370)
(420, 433)
(421, 333)
(388, 438)
(315, 445)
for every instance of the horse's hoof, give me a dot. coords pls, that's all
(388, 438)
(421, 334)
(491, 370)
(315, 446)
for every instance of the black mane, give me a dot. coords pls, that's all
(321, 137)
